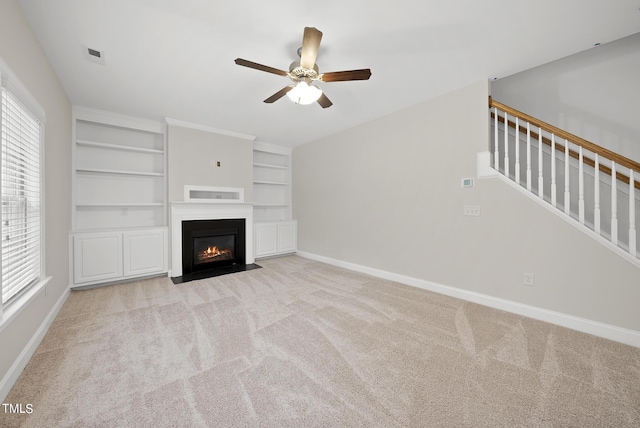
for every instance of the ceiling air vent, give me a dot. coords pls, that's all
(94, 52)
(93, 55)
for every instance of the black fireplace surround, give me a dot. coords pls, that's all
(209, 245)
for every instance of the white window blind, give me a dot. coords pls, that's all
(20, 188)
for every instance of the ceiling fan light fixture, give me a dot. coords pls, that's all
(305, 72)
(304, 93)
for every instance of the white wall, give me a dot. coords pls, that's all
(21, 51)
(387, 195)
(192, 160)
(594, 94)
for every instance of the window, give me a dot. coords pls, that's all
(20, 187)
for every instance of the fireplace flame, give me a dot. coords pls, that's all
(214, 252)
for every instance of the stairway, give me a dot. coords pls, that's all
(593, 188)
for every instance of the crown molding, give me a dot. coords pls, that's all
(185, 124)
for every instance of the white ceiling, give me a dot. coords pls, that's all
(175, 59)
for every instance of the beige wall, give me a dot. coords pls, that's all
(387, 195)
(193, 155)
(593, 94)
(21, 51)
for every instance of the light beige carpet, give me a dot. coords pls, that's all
(302, 344)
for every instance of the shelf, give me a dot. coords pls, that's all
(266, 165)
(117, 172)
(118, 229)
(119, 197)
(118, 147)
(122, 205)
(269, 151)
(271, 183)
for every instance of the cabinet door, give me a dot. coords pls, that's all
(287, 237)
(266, 239)
(97, 257)
(144, 252)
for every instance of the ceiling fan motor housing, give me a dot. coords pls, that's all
(297, 73)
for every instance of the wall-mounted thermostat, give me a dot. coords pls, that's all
(467, 182)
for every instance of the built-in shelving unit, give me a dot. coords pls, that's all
(274, 230)
(119, 197)
(119, 172)
(271, 183)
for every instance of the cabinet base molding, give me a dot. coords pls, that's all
(121, 281)
(275, 256)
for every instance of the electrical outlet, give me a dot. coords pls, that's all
(529, 279)
(472, 210)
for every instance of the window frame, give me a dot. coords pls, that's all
(11, 307)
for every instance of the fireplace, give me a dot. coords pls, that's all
(199, 218)
(208, 245)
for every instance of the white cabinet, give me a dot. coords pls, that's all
(274, 238)
(266, 239)
(119, 214)
(143, 252)
(97, 257)
(287, 237)
(101, 257)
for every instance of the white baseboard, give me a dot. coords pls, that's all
(20, 363)
(618, 334)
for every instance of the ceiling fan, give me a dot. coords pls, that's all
(305, 71)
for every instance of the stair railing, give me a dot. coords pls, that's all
(563, 165)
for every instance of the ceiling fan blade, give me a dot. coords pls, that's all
(279, 94)
(255, 65)
(341, 76)
(324, 101)
(310, 45)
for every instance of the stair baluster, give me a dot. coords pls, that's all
(632, 213)
(580, 185)
(517, 154)
(553, 170)
(528, 157)
(496, 154)
(506, 145)
(567, 176)
(596, 196)
(540, 166)
(614, 204)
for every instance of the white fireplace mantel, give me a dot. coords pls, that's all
(186, 211)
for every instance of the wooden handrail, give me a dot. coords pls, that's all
(559, 147)
(608, 154)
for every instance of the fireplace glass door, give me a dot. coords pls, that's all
(211, 244)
